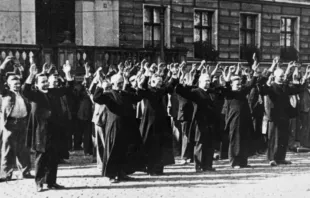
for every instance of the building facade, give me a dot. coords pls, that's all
(107, 31)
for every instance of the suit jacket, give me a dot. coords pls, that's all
(204, 112)
(305, 101)
(8, 99)
(279, 105)
(42, 131)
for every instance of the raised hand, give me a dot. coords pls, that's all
(6, 61)
(45, 68)
(120, 68)
(215, 69)
(66, 67)
(202, 65)
(270, 80)
(254, 57)
(33, 70)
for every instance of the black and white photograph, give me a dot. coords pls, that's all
(154, 98)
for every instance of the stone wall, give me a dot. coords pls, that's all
(97, 22)
(17, 22)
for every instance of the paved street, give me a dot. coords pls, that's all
(82, 179)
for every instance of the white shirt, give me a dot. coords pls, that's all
(19, 110)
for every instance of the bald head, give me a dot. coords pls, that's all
(117, 82)
(204, 81)
(279, 76)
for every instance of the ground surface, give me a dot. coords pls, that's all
(82, 179)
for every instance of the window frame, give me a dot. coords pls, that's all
(285, 32)
(152, 25)
(202, 27)
(247, 30)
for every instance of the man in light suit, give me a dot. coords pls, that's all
(14, 114)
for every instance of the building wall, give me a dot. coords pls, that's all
(227, 29)
(17, 22)
(97, 22)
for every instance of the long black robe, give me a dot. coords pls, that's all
(123, 139)
(238, 123)
(202, 126)
(304, 133)
(156, 129)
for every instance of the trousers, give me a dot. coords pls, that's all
(14, 151)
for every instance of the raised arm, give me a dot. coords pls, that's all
(101, 97)
(2, 74)
(27, 90)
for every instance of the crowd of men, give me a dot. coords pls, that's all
(129, 117)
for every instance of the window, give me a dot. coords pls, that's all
(288, 39)
(203, 31)
(51, 23)
(152, 26)
(287, 32)
(248, 34)
(203, 26)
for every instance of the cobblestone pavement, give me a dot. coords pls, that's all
(82, 179)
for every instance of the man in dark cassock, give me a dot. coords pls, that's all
(43, 127)
(238, 122)
(203, 121)
(304, 134)
(280, 107)
(155, 127)
(61, 113)
(123, 140)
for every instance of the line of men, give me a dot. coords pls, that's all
(132, 126)
(230, 106)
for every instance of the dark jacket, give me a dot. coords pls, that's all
(42, 117)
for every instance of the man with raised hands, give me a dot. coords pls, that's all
(15, 110)
(279, 114)
(122, 134)
(203, 120)
(43, 134)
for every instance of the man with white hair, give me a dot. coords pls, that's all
(203, 121)
(278, 130)
(121, 130)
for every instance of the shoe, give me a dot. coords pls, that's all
(156, 174)
(236, 167)
(63, 161)
(273, 163)
(27, 176)
(210, 169)
(4, 180)
(114, 180)
(184, 162)
(216, 157)
(246, 166)
(285, 162)
(55, 186)
(126, 178)
(39, 187)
